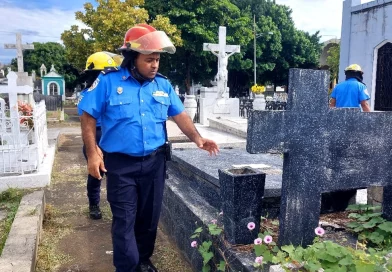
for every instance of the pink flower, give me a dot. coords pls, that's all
(213, 221)
(258, 241)
(268, 239)
(319, 231)
(251, 225)
(194, 244)
(259, 260)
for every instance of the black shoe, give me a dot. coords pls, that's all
(146, 266)
(95, 212)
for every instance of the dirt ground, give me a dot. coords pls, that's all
(71, 242)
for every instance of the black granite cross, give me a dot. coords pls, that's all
(325, 150)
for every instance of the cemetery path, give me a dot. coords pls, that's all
(71, 242)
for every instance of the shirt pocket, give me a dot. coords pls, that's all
(161, 106)
(121, 107)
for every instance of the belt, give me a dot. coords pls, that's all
(142, 158)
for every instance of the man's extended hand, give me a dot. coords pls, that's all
(208, 145)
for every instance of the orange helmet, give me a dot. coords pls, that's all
(145, 39)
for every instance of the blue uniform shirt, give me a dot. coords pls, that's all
(132, 114)
(350, 94)
(80, 111)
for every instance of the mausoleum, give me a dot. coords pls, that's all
(53, 83)
(366, 39)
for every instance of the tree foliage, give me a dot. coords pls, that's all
(190, 23)
(333, 59)
(107, 24)
(199, 23)
(48, 53)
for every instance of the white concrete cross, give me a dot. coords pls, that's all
(223, 52)
(13, 90)
(19, 50)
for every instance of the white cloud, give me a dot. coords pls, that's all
(318, 15)
(34, 24)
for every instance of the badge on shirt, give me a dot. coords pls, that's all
(94, 85)
(119, 90)
(160, 93)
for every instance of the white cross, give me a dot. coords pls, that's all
(13, 90)
(220, 50)
(19, 50)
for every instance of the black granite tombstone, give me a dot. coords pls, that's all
(325, 150)
(241, 193)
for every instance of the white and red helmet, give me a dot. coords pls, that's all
(145, 39)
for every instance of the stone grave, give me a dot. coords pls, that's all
(23, 137)
(325, 150)
(193, 193)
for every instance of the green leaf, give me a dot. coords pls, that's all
(354, 207)
(354, 215)
(312, 266)
(369, 225)
(207, 256)
(376, 215)
(222, 266)
(258, 250)
(376, 237)
(386, 226)
(275, 249)
(353, 225)
(363, 267)
(289, 249)
(206, 268)
(267, 257)
(198, 230)
(346, 261)
(195, 236)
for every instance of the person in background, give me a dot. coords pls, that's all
(133, 103)
(351, 93)
(95, 63)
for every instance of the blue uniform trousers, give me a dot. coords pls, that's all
(134, 191)
(93, 184)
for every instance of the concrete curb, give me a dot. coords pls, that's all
(20, 250)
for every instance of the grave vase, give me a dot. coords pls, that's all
(241, 191)
(190, 105)
(259, 102)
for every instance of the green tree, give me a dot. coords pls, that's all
(48, 53)
(199, 22)
(333, 61)
(107, 24)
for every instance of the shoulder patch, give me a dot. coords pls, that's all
(92, 87)
(366, 92)
(159, 74)
(108, 70)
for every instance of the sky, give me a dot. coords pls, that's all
(45, 20)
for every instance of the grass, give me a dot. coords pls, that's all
(55, 229)
(9, 203)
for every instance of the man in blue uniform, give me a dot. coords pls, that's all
(95, 63)
(352, 93)
(134, 103)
